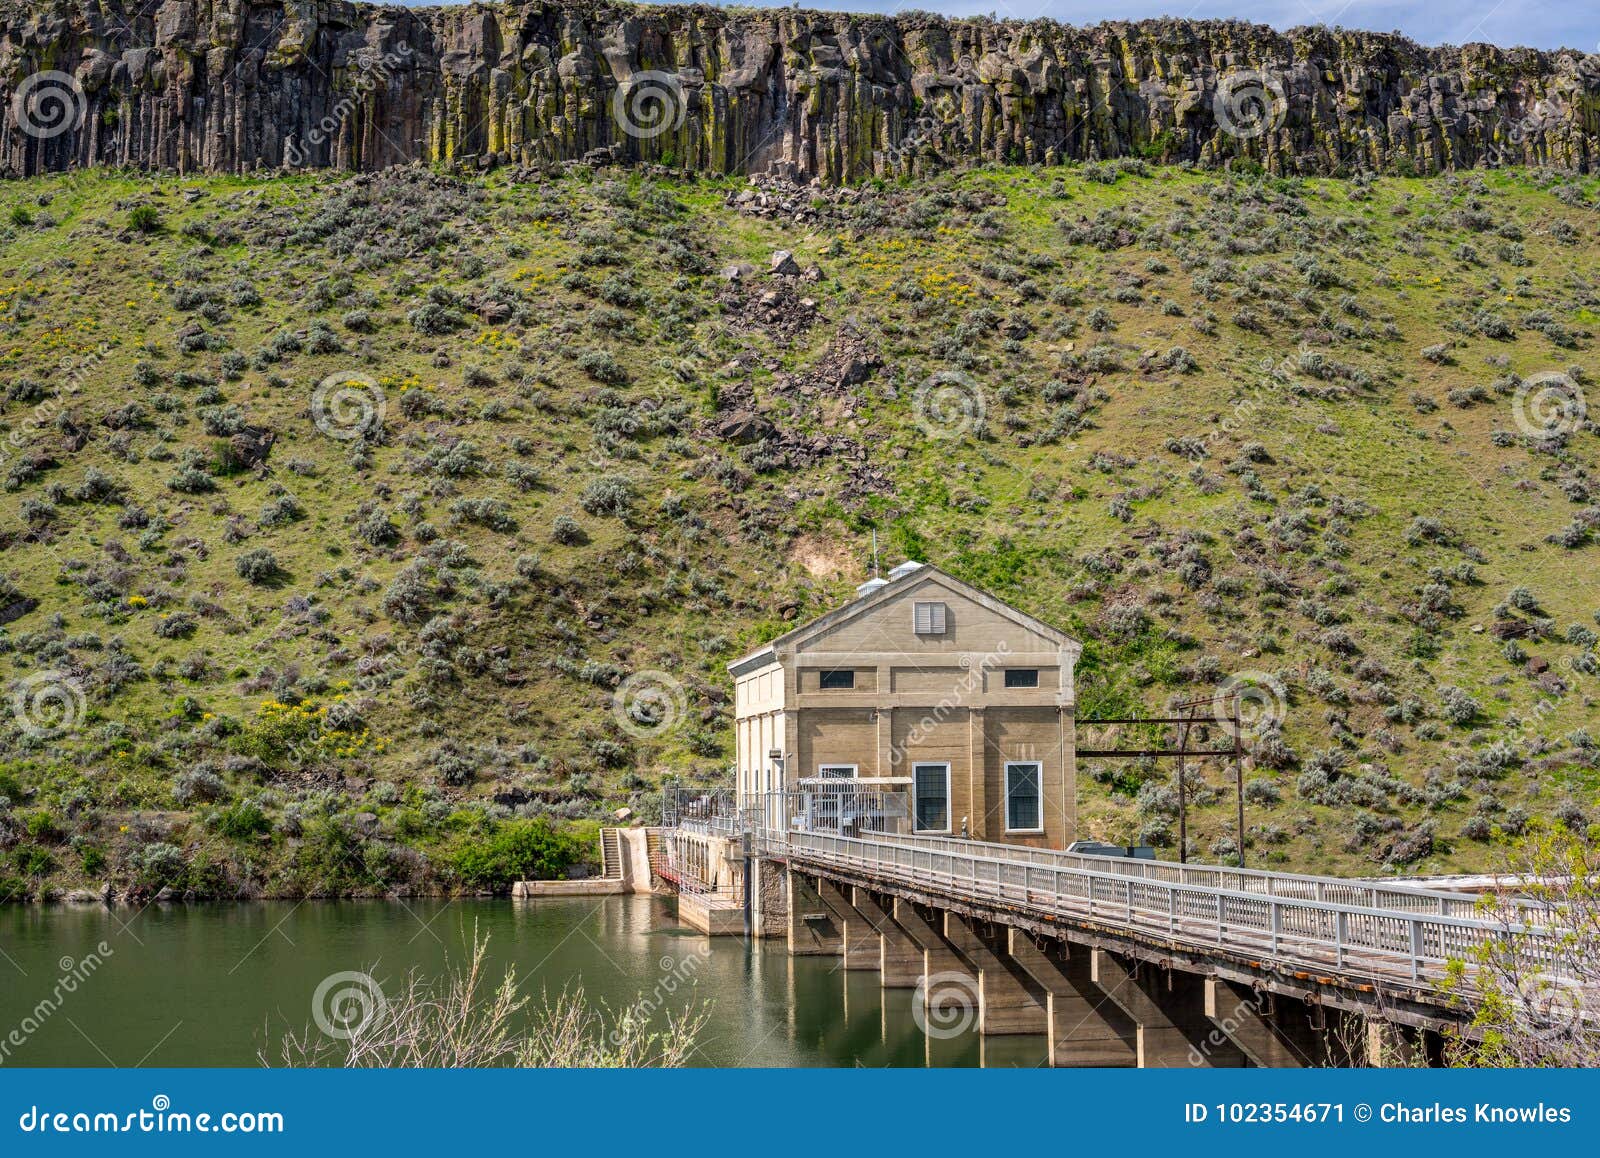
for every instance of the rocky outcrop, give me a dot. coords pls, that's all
(240, 85)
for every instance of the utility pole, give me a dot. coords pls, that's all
(1183, 794)
(1237, 721)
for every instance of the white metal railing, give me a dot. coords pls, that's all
(1290, 886)
(1361, 933)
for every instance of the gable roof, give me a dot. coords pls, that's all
(891, 590)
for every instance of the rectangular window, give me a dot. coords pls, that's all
(833, 681)
(1022, 797)
(1022, 677)
(931, 783)
(928, 618)
(836, 771)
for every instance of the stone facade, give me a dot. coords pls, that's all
(232, 86)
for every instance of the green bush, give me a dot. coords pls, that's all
(243, 820)
(519, 850)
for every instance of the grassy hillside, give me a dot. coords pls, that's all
(337, 512)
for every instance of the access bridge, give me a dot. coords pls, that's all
(1119, 961)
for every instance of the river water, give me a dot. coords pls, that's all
(216, 985)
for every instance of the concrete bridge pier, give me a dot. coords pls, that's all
(899, 957)
(860, 943)
(1009, 1000)
(1168, 1008)
(1270, 1030)
(813, 931)
(1085, 1027)
(946, 974)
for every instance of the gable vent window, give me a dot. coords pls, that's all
(834, 681)
(1022, 677)
(928, 618)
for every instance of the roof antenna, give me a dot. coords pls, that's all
(875, 568)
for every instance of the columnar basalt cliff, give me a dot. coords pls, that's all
(239, 85)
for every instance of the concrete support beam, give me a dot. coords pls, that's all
(1085, 1027)
(1169, 1009)
(1009, 1000)
(1264, 1026)
(860, 942)
(947, 977)
(899, 957)
(813, 932)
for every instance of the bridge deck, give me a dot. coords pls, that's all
(1346, 931)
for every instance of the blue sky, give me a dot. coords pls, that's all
(1504, 22)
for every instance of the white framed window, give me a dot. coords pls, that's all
(930, 790)
(1022, 677)
(836, 680)
(1024, 808)
(928, 618)
(836, 771)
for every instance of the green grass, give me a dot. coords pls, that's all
(480, 691)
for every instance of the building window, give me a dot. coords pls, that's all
(1022, 677)
(928, 618)
(836, 771)
(836, 681)
(1022, 797)
(931, 786)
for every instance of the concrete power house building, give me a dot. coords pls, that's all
(959, 699)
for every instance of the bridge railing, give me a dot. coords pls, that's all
(793, 811)
(1336, 933)
(1290, 886)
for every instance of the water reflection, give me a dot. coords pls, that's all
(219, 985)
